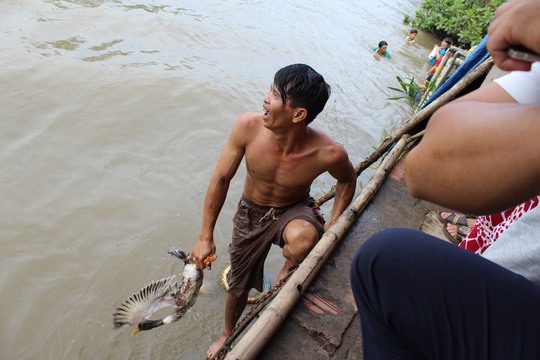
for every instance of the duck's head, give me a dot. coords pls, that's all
(147, 325)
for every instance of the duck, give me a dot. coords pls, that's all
(160, 294)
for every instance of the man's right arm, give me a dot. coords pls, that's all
(229, 161)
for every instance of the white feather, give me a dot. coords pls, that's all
(141, 305)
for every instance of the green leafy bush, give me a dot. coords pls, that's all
(464, 20)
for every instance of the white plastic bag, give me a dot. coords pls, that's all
(432, 53)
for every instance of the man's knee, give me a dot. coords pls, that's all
(300, 237)
(300, 233)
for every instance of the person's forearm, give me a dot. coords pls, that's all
(478, 158)
(213, 203)
(343, 197)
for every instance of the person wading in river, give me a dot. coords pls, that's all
(283, 155)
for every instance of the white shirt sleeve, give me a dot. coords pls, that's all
(523, 86)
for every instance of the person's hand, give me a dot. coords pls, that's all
(516, 23)
(327, 225)
(203, 254)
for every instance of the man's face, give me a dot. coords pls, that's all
(444, 44)
(274, 111)
(412, 36)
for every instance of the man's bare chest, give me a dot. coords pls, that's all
(294, 169)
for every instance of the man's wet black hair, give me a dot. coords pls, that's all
(303, 87)
(382, 43)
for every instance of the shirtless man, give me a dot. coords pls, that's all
(283, 157)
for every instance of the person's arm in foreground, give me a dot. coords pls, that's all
(343, 171)
(481, 153)
(230, 158)
(478, 157)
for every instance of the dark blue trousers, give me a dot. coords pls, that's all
(419, 297)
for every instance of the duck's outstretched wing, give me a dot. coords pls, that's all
(141, 305)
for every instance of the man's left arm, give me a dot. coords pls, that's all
(343, 171)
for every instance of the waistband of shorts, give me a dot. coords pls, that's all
(254, 206)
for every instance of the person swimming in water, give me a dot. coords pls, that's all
(382, 49)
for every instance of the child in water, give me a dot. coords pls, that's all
(412, 35)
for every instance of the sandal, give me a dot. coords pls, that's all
(453, 218)
(461, 233)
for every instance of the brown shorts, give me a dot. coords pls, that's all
(255, 229)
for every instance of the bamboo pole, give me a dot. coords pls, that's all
(271, 318)
(439, 80)
(415, 120)
(449, 66)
